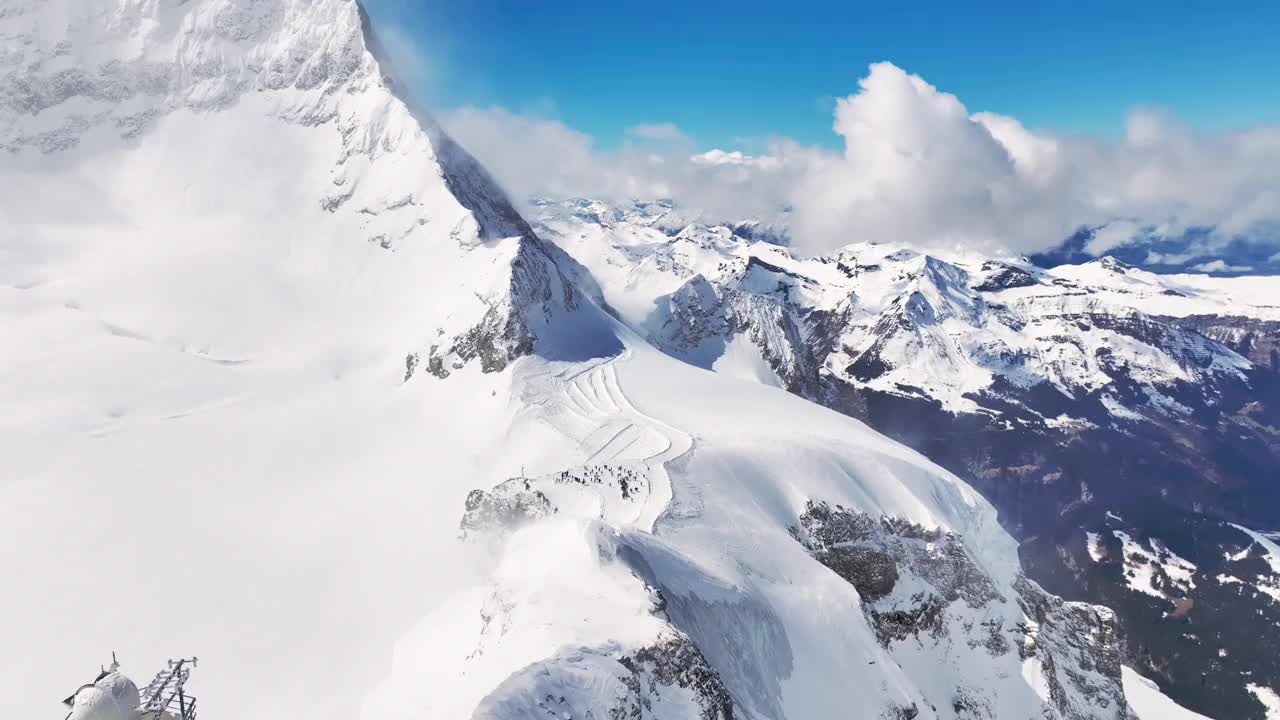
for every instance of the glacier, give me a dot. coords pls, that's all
(293, 386)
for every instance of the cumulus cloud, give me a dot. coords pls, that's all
(539, 156)
(1215, 266)
(717, 156)
(918, 167)
(1113, 235)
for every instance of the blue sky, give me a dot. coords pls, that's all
(729, 74)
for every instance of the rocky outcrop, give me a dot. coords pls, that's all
(503, 509)
(1256, 339)
(535, 289)
(609, 489)
(500, 337)
(665, 676)
(1002, 276)
(1080, 648)
(871, 554)
(227, 50)
(922, 588)
(671, 662)
(668, 677)
(700, 313)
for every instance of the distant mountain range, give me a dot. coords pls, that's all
(292, 385)
(1121, 420)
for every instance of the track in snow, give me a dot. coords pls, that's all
(589, 406)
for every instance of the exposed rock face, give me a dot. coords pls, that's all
(946, 603)
(1258, 340)
(866, 552)
(901, 712)
(127, 92)
(1062, 395)
(500, 337)
(536, 289)
(699, 314)
(1002, 276)
(613, 490)
(667, 678)
(1080, 646)
(672, 662)
(503, 509)
(928, 601)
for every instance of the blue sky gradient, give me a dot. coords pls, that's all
(731, 74)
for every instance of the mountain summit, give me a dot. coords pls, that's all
(292, 385)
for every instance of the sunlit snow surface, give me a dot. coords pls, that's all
(1141, 561)
(967, 321)
(223, 243)
(207, 447)
(1096, 551)
(1146, 700)
(1268, 585)
(1268, 697)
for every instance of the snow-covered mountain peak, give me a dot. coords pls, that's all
(936, 290)
(275, 313)
(1062, 392)
(73, 67)
(943, 326)
(227, 241)
(116, 89)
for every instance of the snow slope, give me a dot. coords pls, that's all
(270, 330)
(883, 317)
(1266, 583)
(1059, 393)
(1148, 703)
(785, 635)
(222, 234)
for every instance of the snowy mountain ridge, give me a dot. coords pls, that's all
(1065, 395)
(83, 77)
(230, 250)
(942, 327)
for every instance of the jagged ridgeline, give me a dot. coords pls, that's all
(235, 250)
(1087, 402)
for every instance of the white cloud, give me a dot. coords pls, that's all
(406, 60)
(735, 157)
(1113, 235)
(917, 167)
(1159, 258)
(533, 155)
(1220, 266)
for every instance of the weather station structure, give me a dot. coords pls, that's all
(113, 696)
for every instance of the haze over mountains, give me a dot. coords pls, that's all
(294, 386)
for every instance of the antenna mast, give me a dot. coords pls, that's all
(166, 697)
